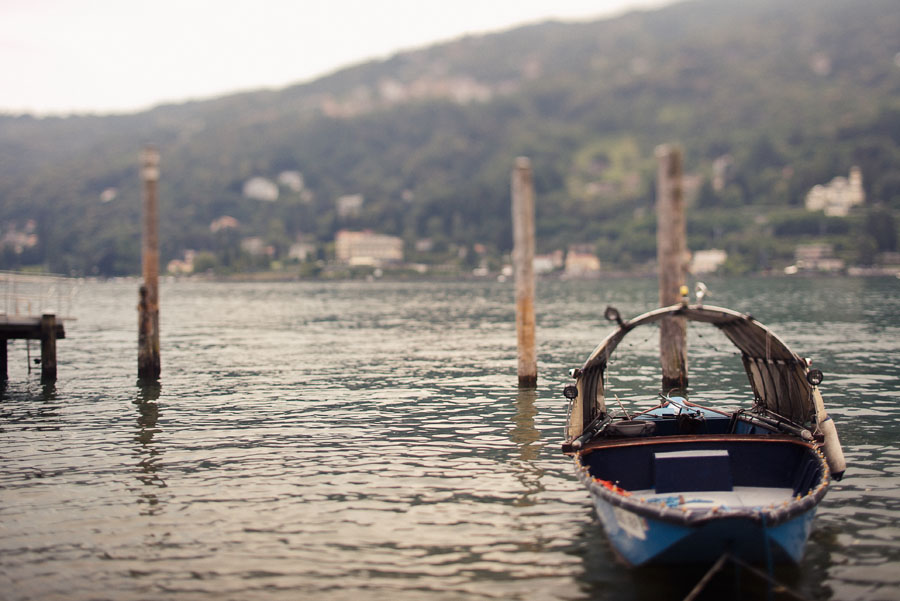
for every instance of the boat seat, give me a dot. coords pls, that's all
(693, 470)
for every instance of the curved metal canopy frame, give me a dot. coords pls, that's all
(777, 374)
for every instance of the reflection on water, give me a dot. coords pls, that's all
(527, 438)
(147, 450)
(345, 440)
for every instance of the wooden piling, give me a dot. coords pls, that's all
(523, 264)
(48, 347)
(671, 253)
(4, 373)
(148, 307)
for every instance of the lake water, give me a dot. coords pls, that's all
(368, 440)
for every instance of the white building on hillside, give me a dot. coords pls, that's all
(836, 197)
(261, 188)
(581, 262)
(549, 263)
(815, 257)
(708, 261)
(349, 205)
(367, 248)
(302, 249)
(292, 180)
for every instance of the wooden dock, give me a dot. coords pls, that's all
(45, 328)
(34, 307)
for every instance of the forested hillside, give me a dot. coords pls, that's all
(777, 96)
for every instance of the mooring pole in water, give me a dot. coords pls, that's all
(671, 254)
(148, 307)
(523, 263)
(48, 348)
(4, 373)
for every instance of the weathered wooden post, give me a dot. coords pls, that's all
(148, 308)
(4, 373)
(523, 263)
(671, 254)
(48, 347)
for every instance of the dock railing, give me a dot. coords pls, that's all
(32, 295)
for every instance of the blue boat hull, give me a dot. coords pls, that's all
(690, 499)
(641, 540)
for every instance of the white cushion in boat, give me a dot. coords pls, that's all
(739, 496)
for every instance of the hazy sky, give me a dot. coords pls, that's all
(61, 56)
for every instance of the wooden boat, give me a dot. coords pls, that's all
(687, 483)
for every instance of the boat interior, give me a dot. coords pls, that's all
(785, 404)
(730, 470)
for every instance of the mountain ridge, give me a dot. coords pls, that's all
(428, 138)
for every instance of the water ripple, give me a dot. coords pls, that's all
(338, 440)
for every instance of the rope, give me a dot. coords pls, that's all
(698, 588)
(607, 380)
(632, 343)
(709, 343)
(774, 585)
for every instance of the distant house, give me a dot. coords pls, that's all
(812, 253)
(255, 246)
(225, 222)
(815, 257)
(349, 205)
(302, 249)
(182, 266)
(837, 197)
(109, 195)
(549, 263)
(261, 188)
(19, 240)
(580, 261)
(367, 248)
(292, 180)
(722, 167)
(708, 261)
